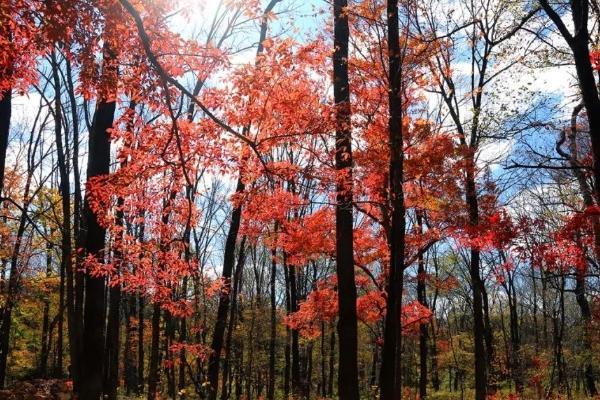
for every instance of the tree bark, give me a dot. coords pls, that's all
(130, 350)
(423, 329)
(347, 321)
(586, 316)
(92, 360)
(5, 112)
(391, 374)
(232, 320)
(295, 345)
(477, 287)
(46, 317)
(140, 344)
(154, 353)
(223, 307)
(331, 363)
(75, 288)
(65, 193)
(273, 331)
(113, 343)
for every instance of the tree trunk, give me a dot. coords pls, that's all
(423, 329)
(295, 349)
(228, 343)
(129, 352)
(331, 362)
(92, 362)
(390, 375)
(66, 265)
(347, 321)
(273, 332)
(168, 340)
(586, 316)
(489, 339)
(5, 111)
(183, 336)
(154, 353)
(515, 337)
(435, 377)
(477, 287)
(46, 316)
(113, 343)
(221, 320)
(140, 344)
(75, 289)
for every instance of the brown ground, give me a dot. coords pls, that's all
(37, 390)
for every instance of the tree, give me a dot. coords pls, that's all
(92, 369)
(347, 329)
(390, 376)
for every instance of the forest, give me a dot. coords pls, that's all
(299, 199)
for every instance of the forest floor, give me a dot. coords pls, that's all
(39, 389)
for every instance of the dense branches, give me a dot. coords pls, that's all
(359, 199)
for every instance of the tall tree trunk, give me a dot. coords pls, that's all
(586, 316)
(168, 340)
(579, 44)
(515, 337)
(187, 236)
(331, 362)
(347, 321)
(588, 201)
(479, 328)
(155, 356)
(295, 349)
(130, 350)
(46, 316)
(391, 374)
(114, 313)
(223, 307)
(58, 368)
(183, 339)
(92, 362)
(489, 339)
(5, 95)
(288, 362)
(141, 322)
(66, 265)
(75, 288)
(423, 329)
(308, 372)
(113, 343)
(140, 344)
(435, 377)
(374, 365)
(323, 383)
(154, 353)
(273, 332)
(5, 111)
(5, 114)
(288, 337)
(234, 308)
